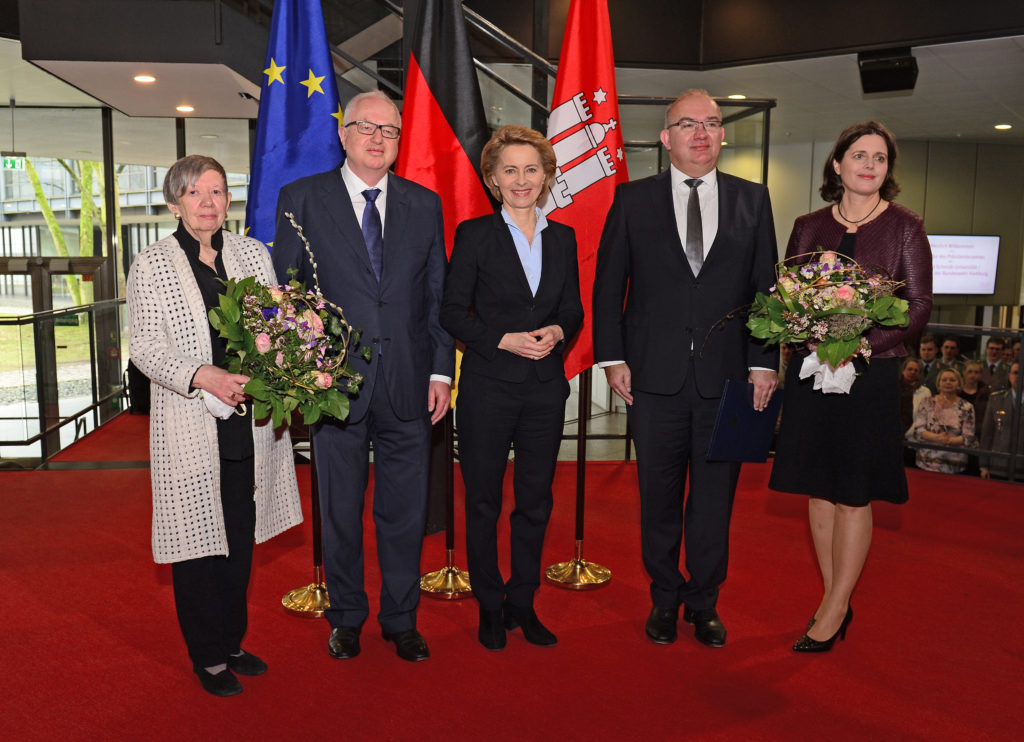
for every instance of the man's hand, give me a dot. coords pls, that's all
(764, 382)
(439, 399)
(620, 380)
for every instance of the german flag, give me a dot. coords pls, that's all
(443, 123)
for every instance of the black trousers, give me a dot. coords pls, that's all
(210, 592)
(491, 416)
(672, 433)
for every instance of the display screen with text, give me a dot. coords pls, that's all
(964, 264)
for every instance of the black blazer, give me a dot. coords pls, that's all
(398, 317)
(649, 308)
(486, 295)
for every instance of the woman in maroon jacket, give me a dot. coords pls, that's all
(845, 450)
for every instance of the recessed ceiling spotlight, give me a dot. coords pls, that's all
(737, 96)
(208, 136)
(1003, 127)
(185, 109)
(146, 79)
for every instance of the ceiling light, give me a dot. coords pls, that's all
(208, 136)
(737, 96)
(1003, 127)
(144, 78)
(185, 109)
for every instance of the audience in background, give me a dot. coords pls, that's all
(995, 371)
(945, 420)
(951, 357)
(997, 427)
(912, 391)
(930, 363)
(974, 389)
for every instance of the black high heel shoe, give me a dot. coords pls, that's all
(807, 644)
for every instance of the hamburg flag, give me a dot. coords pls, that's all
(443, 123)
(299, 114)
(584, 130)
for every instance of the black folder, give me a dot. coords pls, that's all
(741, 432)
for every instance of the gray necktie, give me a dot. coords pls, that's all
(694, 228)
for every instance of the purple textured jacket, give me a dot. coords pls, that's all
(894, 244)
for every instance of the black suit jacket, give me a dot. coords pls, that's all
(487, 295)
(649, 308)
(398, 316)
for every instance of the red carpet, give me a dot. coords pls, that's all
(91, 649)
(125, 438)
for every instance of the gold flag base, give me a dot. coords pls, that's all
(447, 583)
(308, 602)
(578, 573)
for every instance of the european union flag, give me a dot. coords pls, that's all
(299, 113)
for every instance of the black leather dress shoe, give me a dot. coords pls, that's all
(222, 684)
(410, 644)
(533, 630)
(492, 630)
(247, 664)
(707, 626)
(661, 625)
(344, 642)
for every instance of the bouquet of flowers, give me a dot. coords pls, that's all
(292, 343)
(831, 302)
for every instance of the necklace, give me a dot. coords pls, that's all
(839, 208)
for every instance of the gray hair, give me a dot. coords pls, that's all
(689, 94)
(354, 102)
(183, 174)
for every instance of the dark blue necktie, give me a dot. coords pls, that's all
(373, 232)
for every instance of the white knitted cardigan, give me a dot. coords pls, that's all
(170, 340)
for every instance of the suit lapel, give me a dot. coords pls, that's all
(667, 208)
(551, 273)
(335, 202)
(726, 217)
(394, 223)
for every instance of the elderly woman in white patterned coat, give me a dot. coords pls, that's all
(221, 480)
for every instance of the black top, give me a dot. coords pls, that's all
(235, 433)
(848, 245)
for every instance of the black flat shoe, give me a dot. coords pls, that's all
(344, 642)
(708, 627)
(222, 684)
(661, 625)
(492, 631)
(807, 644)
(246, 664)
(533, 630)
(410, 644)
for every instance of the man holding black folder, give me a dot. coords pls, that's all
(681, 255)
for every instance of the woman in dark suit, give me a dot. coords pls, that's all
(845, 450)
(512, 298)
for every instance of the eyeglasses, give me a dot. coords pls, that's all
(367, 128)
(690, 126)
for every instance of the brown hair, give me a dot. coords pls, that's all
(512, 134)
(832, 186)
(183, 174)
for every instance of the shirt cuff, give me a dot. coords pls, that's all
(438, 377)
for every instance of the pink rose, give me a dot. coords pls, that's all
(323, 380)
(276, 295)
(316, 325)
(845, 294)
(263, 342)
(828, 258)
(280, 358)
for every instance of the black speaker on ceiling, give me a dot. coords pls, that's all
(887, 70)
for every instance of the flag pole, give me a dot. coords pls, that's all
(449, 582)
(311, 601)
(578, 573)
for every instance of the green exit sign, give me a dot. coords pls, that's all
(14, 163)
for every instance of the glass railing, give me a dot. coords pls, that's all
(61, 375)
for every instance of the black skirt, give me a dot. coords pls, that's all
(846, 448)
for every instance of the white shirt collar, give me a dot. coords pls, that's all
(710, 180)
(355, 185)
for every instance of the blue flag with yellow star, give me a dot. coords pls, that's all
(299, 113)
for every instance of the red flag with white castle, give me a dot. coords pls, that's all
(584, 130)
